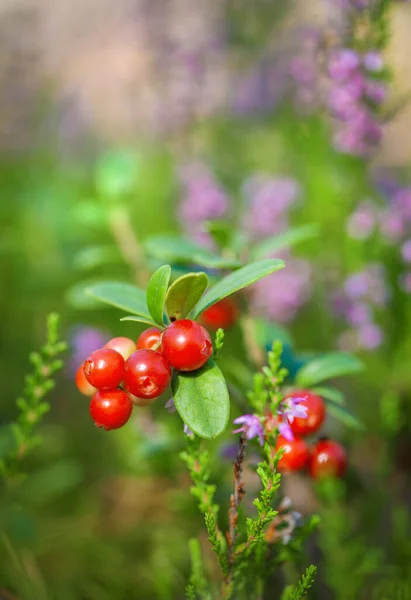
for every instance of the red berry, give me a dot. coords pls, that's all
(186, 345)
(150, 339)
(146, 374)
(140, 401)
(328, 459)
(104, 369)
(122, 345)
(82, 384)
(315, 413)
(223, 313)
(296, 455)
(110, 409)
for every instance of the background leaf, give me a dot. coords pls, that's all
(342, 414)
(202, 401)
(156, 293)
(236, 281)
(174, 249)
(184, 294)
(331, 365)
(121, 295)
(146, 320)
(328, 393)
(288, 239)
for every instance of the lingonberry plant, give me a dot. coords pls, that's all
(281, 414)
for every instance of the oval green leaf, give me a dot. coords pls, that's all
(96, 256)
(176, 250)
(184, 293)
(78, 297)
(288, 239)
(202, 401)
(325, 367)
(156, 293)
(146, 320)
(121, 295)
(342, 414)
(236, 281)
(328, 393)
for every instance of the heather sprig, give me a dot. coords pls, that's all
(32, 405)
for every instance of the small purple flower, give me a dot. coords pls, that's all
(406, 251)
(187, 430)
(391, 224)
(373, 61)
(370, 336)
(85, 340)
(289, 410)
(251, 426)
(359, 314)
(376, 91)
(342, 64)
(170, 406)
(362, 221)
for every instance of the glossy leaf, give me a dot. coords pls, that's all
(146, 320)
(236, 281)
(121, 295)
(78, 297)
(342, 414)
(202, 401)
(325, 367)
(176, 250)
(328, 393)
(157, 292)
(184, 294)
(288, 239)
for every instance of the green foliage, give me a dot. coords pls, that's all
(202, 401)
(236, 281)
(32, 405)
(157, 292)
(300, 590)
(184, 294)
(123, 296)
(290, 238)
(218, 343)
(327, 367)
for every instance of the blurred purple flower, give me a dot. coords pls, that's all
(376, 91)
(406, 251)
(359, 314)
(392, 226)
(362, 221)
(343, 63)
(251, 426)
(373, 61)
(170, 406)
(83, 341)
(370, 336)
(402, 202)
(187, 430)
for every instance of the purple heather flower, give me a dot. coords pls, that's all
(289, 410)
(187, 430)
(370, 336)
(376, 91)
(402, 201)
(85, 340)
(356, 285)
(406, 251)
(342, 64)
(392, 225)
(373, 61)
(362, 221)
(359, 314)
(170, 406)
(251, 426)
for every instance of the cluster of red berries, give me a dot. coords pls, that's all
(326, 457)
(124, 373)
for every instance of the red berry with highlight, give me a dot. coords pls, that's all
(315, 413)
(110, 409)
(122, 345)
(296, 454)
(223, 313)
(186, 345)
(146, 374)
(150, 339)
(329, 459)
(104, 369)
(83, 385)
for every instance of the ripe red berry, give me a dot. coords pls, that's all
(146, 374)
(223, 313)
(110, 409)
(186, 345)
(122, 345)
(104, 369)
(150, 339)
(82, 384)
(140, 401)
(315, 413)
(328, 459)
(296, 454)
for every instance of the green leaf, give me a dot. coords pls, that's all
(220, 231)
(96, 256)
(176, 250)
(156, 293)
(202, 401)
(184, 294)
(236, 281)
(121, 295)
(331, 365)
(328, 393)
(78, 297)
(342, 414)
(288, 239)
(146, 320)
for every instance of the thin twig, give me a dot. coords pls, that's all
(127, 243)
(235, 500)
